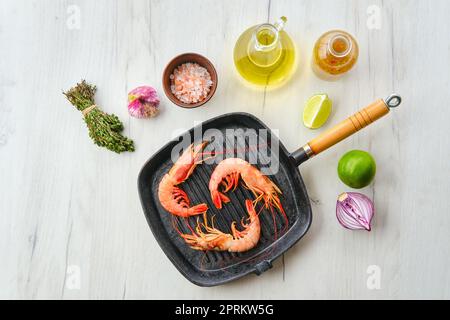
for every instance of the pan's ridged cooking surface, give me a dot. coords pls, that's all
(212, 268)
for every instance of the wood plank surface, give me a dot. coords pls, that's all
(69, 209)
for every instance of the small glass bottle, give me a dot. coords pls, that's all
(335, 53)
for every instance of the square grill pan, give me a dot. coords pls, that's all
(215, 268)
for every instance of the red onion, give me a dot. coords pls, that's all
(143, 102)
(354, 211)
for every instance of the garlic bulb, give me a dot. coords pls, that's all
(354, 211)
(143, 102)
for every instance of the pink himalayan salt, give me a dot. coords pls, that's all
(190, 83)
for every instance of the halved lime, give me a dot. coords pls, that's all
(316, 111)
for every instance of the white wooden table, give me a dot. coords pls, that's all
(71, 225)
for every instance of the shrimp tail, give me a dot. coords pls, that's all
(250, 208)
(198, 209)
(218, 197)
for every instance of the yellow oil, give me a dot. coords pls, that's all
(268, 68)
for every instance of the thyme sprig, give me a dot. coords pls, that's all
(104, 129)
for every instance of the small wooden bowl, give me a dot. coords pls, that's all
(179, 60)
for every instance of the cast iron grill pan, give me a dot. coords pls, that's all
(214, 268)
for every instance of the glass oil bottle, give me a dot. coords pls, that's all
(334, 54)
(264, 55)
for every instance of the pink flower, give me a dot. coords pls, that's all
(143, 102)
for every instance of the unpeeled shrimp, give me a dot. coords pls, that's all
(172, 198)
(227, 174)
(237, 241)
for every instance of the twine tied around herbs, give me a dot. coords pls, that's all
(86, 111)
(104, 129)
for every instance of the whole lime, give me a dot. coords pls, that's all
(357, 169)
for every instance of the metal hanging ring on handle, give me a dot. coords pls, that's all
(393, 101)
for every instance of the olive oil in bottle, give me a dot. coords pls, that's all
(264, 55)
(335, 53)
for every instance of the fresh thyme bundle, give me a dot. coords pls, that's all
(104, 128)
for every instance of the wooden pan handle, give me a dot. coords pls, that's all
(346, 128)
(349, 126)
